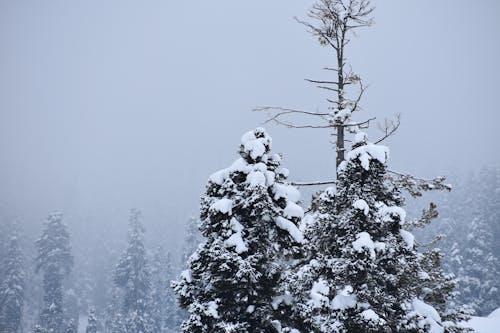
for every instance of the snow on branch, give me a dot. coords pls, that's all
(415, 186)
(428, 214)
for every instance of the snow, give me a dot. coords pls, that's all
(256, 178)
(292, 229)
(186, 275)
(256, 142)
(319, 293)
(408, 238)
(489, 324)
(387, 213)
(270, 177)
(361, 205)
(223, 206)
(287, 192)
(364, 240)
(293, 210)
(360, 137)
(277, 300)
(430, 315)
(370, 315)
(344, 299)
(212, 309)
(368, 152)
(236, 240)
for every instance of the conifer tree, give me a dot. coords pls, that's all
(479, 274)
(113, 319)
(163, 305)
(54, 260)
(91, 321)
(191, 240)
(71, 327)
(249, 217)
(363, 272)
(132, 275)
(12, 287)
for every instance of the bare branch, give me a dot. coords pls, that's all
(389, 128)
(287, 111)
(292, 125)
(313, 183)
(322, 82)
(366, 122)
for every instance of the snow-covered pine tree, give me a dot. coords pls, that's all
(364, 273)
(133, 276)
(479, 275)
(71, 327)
(71, 309)
(54, 260)
(192, 239)
(12, 286)
(467, 219)
(249, 217)
(113, 319)
(164, 310)
(91, 321)
(439, 290)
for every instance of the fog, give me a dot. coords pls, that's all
(110, 105)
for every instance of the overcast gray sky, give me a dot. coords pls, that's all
(108, 105)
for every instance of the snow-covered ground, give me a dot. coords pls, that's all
(489, 324)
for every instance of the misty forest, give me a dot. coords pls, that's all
(278, 167)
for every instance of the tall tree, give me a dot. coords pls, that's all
(249, 217)
(91, 321)
(12, 286)
(333, 23)
(363, 272)
(164, 311)
(192, 239)
(54, 260)
(133, 276)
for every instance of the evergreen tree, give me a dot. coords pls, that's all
(54, 260)
(468, 220)
(71, 309)
(191, 240)
(71, 327)
(249, 220)
(163, 306)
(113, 319)
(12, 287)
(363, 272)
(132, 275)
(439, 290)
(91, 321)
(479, 274)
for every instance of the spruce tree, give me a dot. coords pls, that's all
(249, 217)
(72, 326)
(164, 310)
(363, 272)
(91, 321)
(12, 287)
(479, 274)
(132, 275)
(192, 239)
(54, 260)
